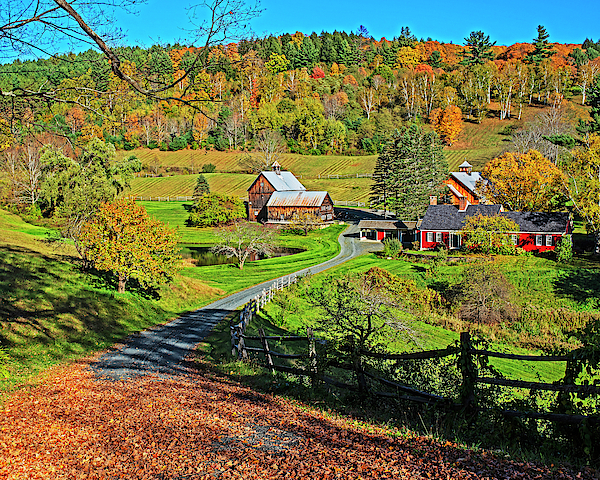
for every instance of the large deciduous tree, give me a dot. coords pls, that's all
(523, 182)
(412, 167)
(244, 239)
(582, 182)
(72, 189)
(213, 209)
(123, 239)
(489, 234)
(447, 123)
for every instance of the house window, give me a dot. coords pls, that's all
(539, 240)
(430, 237)
(515, 239)
(455, 240)
(549, 240)
(438, 237)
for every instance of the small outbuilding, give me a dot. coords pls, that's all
(379, 230)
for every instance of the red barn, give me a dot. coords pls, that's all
(539, 231)
(463, 185)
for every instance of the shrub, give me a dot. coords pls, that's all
(214, 209)
(564, 249)
(209, 168)
(392, 247)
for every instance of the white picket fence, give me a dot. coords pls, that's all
(253, 306)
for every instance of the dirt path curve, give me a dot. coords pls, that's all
(162, 350)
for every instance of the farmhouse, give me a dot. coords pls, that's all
(463, 186)
(539, 231)
(382, 229)
(277, 196)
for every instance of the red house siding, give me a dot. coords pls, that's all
(527, 241)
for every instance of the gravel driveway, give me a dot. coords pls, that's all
(162, 350)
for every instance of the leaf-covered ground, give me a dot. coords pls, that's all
(73, 425)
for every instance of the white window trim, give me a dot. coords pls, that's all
(549, 240)
(429, 237)
(438, 237)
(514, 239)
(539, 240)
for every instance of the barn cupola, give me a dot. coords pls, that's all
(465, 167)
(276, 167)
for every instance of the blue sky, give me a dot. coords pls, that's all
(506, 22)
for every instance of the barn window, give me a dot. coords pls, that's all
(430, 236)
(515, 239)
(438, 237)
(549, 240)
(539, 240)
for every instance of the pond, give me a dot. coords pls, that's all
(202, 256)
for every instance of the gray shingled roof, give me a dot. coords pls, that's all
(447, 217)
(540, 222)
(285, 181)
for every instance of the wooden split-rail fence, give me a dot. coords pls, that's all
(238, 344)
(466, 361)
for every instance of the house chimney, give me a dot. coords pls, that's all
(462, 204)
(432, 200)
(276, 167)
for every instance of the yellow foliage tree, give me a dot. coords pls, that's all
(523, 182)
(447, 123)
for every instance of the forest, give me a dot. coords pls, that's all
(329, 93)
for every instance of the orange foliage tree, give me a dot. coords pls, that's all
(447, 123)
(523, 182)
(122, 238)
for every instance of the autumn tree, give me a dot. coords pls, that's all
(523, 182)
(582, 183)
(479, 48)
(123, 239)
(485, 295)
(242, 240)
(447, 123)
(358, 313)
(489, 234)
(72, 189)
(305, 221)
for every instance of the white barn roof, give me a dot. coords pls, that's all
(285, 181)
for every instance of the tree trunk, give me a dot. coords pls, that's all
(122, 282)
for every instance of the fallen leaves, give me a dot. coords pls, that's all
(76, 426)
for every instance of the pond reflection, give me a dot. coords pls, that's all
(202, 256)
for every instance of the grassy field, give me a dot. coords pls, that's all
(51, 311)
(301, 165)
(352, 189)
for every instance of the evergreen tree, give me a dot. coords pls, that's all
(594, 102)
(201, 188)
(383, 179)
(480, 49)
(418, 169)
(541, 50)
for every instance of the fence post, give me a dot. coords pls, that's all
(468, 369)
(312, 355)
(265, 345)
